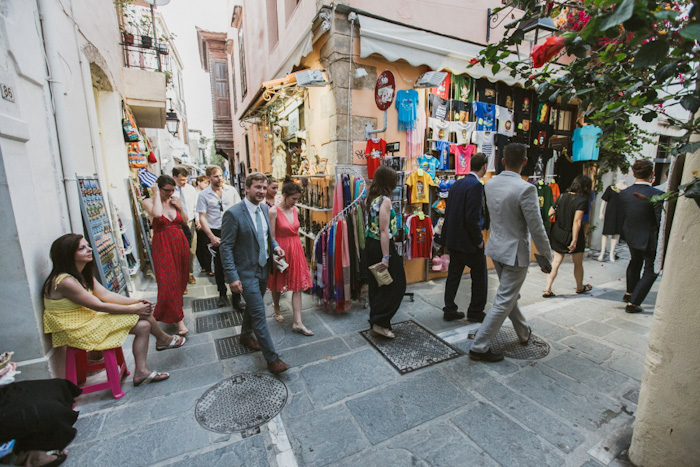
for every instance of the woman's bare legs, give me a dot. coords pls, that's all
(162, 337)
(578, 269)
(296, 313)
(556, 262)
(141, 332)
(181, 328)
(276, 305)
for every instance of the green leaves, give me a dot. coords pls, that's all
(691, 103)
(667, 15)
(651, 53)
(622, 13)
(691, 31)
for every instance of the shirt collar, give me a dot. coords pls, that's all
(251, 207)
(642, 183)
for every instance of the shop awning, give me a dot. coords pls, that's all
(397, 42)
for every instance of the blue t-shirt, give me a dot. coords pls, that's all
(485, 116)
(406, 103)
(444, 148)
(428, 163)
(586, 143)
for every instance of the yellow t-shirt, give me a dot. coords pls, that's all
(421, 186)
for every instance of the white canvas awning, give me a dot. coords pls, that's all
(396, 42)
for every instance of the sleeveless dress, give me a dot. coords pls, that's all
(296, 277)
(80, 327)
(171, 264)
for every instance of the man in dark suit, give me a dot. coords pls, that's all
(641, 232)
(248, 251)
(461, 234)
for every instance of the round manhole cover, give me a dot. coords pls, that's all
(507, 343)
(240, 403)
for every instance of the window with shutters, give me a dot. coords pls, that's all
(233, 88)
(241, 58)
(221, 95)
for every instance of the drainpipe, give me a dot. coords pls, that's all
(352, 17)
(48, 15)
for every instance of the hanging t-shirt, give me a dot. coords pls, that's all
(406, 103)
(460, 110)
(420, 236)
(544, 194)
(428, 163)
(586, 143)
(444, 157)
(501, 142)
(485, 116)
(463, 157)
(375, 149)
(440, 107)
(420, 181)
(464, 131)
(444, 89)
(485, 143)
(462, 85)
(506, 124)
(441, 128)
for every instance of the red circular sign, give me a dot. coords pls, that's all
(385, 90)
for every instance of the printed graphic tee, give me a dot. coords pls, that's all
(485, 143)
(586, 143)
(444, 89)
(440, 107)
(463, 157)
(374, 151)
(420, 184)
(485, 116)
(420, 234)
(428, 163)
(463, 131)
(444, 158)
(462, 90)
(406, 103)
(441, 128)
(506, 124)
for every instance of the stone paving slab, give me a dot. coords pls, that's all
(595, 328)
(249, 452)
(589, 373)
(593, 349)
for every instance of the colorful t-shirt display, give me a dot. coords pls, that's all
(463, 131)
(441, 128)
(420, 181)
(586, 143)
(440, 107)
(506, 124)
(406, 103)
(463, 157)
(460, 110)
(485, 143)
(420, 236)
(428, 163)
(485, 116)
(462, 87)
(444, 89)
(374, 151)
(444, 158)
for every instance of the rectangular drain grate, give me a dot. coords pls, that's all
(229, 347)
(227, 319)
(206, 304)
(413, 348)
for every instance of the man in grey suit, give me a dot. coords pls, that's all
(515, 215)
(248, 251)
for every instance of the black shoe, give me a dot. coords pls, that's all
(529, 334)
(632, 308)
(626, 297)
(237, 304)
(222, 302)
(476, 317)
(487, 356)
(452, 315)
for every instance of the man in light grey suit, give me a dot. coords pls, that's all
(515, 215)
(248, 251)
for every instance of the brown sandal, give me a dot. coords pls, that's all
(586, 288)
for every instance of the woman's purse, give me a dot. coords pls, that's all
(382, 277)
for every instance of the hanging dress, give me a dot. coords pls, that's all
(171, 264)
(296, 277)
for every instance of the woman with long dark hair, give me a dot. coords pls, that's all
(384, 301)
(567, 235)
(171, 252)
(81, 313)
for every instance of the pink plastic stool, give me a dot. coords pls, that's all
(114, 364)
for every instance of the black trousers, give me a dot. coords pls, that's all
(639, 286)
(219, 272)
(384, 301)
(203, 254)
(477, 265)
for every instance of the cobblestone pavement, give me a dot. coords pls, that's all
(348, 406)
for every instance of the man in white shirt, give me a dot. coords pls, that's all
(213, 201)
(188, 199)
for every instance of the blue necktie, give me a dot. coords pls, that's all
(262, 253)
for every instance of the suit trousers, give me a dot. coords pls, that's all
(254, 319)
(505, 305)
(639, 286)
(477, 266)
(203, 254)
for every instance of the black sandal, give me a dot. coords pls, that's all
(549, 294)
(586, 288)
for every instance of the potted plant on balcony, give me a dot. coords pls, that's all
(163, 48)
(127, 36)
(146, 27)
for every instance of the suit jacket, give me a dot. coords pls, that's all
(641, 219)
(464, 216)
(515, 215)
(239, 244)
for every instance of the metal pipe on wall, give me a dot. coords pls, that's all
(351, 17)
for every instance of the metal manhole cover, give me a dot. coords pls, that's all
(241, 402)
(229, 347)
(632, 395)
(205, 304)
(413, 348)
(227, 319)
(507, 343)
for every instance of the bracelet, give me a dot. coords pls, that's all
(386, 257)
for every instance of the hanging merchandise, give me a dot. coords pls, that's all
(463, 157)
(428, 163)
(485, 144)
(130, 132)
(375, 149)
(441, 128)
(444, 89)
(444, 158)
(152, 159)
(462, 87)
(544, 194)
(419, 181)
(416, 138)
(506, 125)
(406, 103)
(279, 163)
(137, 159)
(146, 177)
(420, 236)
(464, 131)
(440, 107)
(485, 116)
(586, 143)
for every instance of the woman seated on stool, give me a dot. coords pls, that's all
(81, 313)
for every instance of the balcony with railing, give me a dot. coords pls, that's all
(146, 72)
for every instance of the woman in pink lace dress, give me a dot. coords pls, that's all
(284, 225)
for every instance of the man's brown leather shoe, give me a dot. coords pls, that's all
(250, 342)
(277, 366)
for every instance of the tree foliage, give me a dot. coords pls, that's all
(629, 57)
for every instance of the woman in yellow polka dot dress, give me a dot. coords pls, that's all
(81, 313)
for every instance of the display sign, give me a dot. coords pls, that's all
(384, 90)
(392, 147)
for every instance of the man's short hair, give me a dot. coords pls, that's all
(642, 169)
(515, 154)
(478, 160)
(180, 170)
(254, 177)
(211, 169)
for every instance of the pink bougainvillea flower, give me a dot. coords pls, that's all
(543, 53)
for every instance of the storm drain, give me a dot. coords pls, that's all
(205, 304)
(229, 347)
(632, 395)
(242, 402)
(227, 319)
(413, 348)
(507, 343)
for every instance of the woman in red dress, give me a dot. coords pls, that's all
(170, 251)
(284, 226)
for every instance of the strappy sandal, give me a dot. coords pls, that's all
(178, 341)
(586, 288)
(548, 294)
(154, 377)
(302, 330)
(278, 317)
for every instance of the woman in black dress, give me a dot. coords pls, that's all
(567, 236)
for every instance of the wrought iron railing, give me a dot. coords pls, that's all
(142, 52)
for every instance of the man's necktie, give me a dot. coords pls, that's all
(262, 254)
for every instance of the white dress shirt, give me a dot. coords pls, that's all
(188, 196)
(252, 209)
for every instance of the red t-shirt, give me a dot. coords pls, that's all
(444, 89)
(373, 152)
(420, 234)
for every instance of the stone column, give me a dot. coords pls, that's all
(668, 416)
